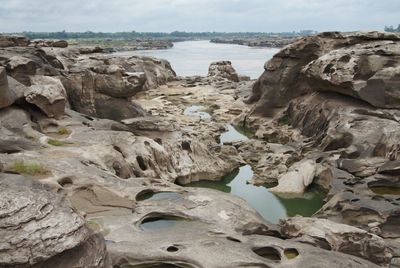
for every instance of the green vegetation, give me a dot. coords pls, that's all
(21, 167)
(55, 142)
(392, 29)
(63, 131)
(284, 120)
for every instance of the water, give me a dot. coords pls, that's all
(269, 205)
(232, 135)
(197, 110)
(194, 57)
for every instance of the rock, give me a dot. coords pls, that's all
(17, 88)
(48, 94)
(37, 224)
(91, 253)
(337, 237)
(113, 81)
(49, 43)
(299, 176)
(13, 41)
(390, 168)
(21, 68)
(365, 71)
(223, 69)
(302, 67)
(82, 95)
(157, 71)
(6, 97)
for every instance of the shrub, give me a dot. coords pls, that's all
(63, 131)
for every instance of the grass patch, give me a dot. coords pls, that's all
(22, 167)
(55, 142)
(284, 120)
(63, 131)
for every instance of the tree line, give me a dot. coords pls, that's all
(156, 35)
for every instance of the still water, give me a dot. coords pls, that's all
(272, 207)
(194, 57)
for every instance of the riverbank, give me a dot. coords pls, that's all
(271, 42)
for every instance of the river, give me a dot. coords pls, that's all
(194, 57)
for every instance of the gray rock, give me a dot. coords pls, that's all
(223, 69)
(35, 224)
(13, 41)
(337, 237)
(48, 94)
(6, 97)
(284, 79)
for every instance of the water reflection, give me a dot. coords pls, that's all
(270, 206)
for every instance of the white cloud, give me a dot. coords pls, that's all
(196, 15)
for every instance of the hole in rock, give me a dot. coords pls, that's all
(65, 182)
(172, 249)
(158, 140)
(161, 222)
(186, 146)
(156, 265)
(116, 148)
(233, 239)
(291, 253)
(141, 162)
(151, 195)
(268, 253)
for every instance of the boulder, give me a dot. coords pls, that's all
(299, 176)
(337, 237)
(21, 68)
(36, 225)
(48, 94)
(112, 80)
(223, 69)
(84, 98)
(6, 97)
(13, 41)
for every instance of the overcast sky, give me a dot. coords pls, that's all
(197, 15)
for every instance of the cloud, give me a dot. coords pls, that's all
(197, 15)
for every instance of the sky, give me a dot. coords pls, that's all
(197, 15)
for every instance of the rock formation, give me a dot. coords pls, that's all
(223, 69)
(95, 148)
(37, 225)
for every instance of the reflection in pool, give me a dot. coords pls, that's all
(270, 206)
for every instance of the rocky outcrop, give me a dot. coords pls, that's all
(49, 43)
(48, 94)
(37, 225)
(299, 176)
(326, 97)
(13, 41)
(6, 97)
(338, 237)
(223, 69)
(354, 64)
